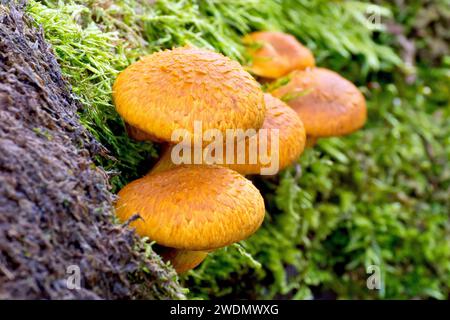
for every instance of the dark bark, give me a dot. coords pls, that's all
(55, 207)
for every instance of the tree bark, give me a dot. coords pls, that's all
(55, 207)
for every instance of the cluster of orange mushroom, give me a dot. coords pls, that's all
(328, 104)
(192, 209)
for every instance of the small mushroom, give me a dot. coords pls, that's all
(192, 208)
(291, 142)
(328, 104)
(172, 89)
(275, 54)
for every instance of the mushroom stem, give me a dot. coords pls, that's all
(182, 260)
(311, 141)
(139, 135)
(164, 163)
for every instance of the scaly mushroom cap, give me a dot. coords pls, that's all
(171, 89)
(193, 207)
(275, 54)
(292, 137)
(328, 104)
(291, 141)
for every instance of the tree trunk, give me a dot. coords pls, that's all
(55, 207)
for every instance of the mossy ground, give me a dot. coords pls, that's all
(377, 197)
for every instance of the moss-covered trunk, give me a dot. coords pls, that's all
(55, 207)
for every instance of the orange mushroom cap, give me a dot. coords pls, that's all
(172, 89)
(291, 135)
(291, 141)
(275, 54)
(193, 207)
(328, 104)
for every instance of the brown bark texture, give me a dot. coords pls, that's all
(55, 207)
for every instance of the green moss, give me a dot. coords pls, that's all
(92, 46)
